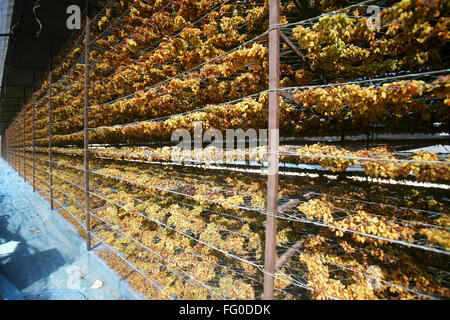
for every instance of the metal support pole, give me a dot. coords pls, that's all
(3, 146)
(15, 145)
(8, 139)
(50, 160)
(34, 152)
(24, 160)
(12, 146)
(13, 133)
(32, 131)
(19, 146)
(272, 177)
(10, 157)
(20, 133)
(86, 132)
(13, 138)
(13, 158)
(7, 144)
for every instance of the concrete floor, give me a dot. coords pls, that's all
(50, 254)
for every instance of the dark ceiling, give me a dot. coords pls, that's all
(28, 56)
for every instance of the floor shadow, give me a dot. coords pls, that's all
(24, 269)
(27, 264)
